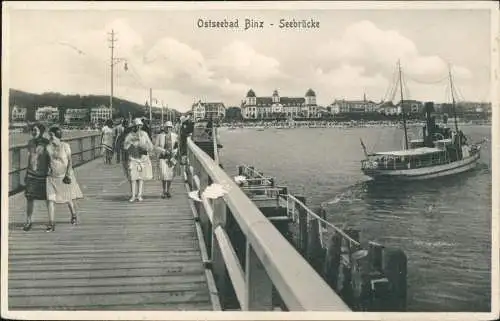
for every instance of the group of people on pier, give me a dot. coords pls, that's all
(134, 147)
(50, 176)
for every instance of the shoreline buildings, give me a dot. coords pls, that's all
(100, 113)
(47, 113)
(208, 110)
(271, 107)
(18, 113)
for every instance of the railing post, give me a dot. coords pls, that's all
(259, 287)
(92, 147)
(80, 149)
(218, 266)
(303, 226)
(16, 166)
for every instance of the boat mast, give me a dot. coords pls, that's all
(402, 107)
(453, 100)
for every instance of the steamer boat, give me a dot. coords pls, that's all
(440, 152)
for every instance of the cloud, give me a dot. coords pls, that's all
(363, 43)
(362, 59)
(239, 59)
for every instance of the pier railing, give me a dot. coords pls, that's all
(265, 263)
(84, 148)
(367, 275)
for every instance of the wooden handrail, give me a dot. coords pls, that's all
(25, 145)
(15, 174)
(299, 285)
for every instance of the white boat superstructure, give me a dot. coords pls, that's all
(422, 162)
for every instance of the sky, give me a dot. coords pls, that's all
(353, 52)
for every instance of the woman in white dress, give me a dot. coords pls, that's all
(107, 141)
(61, 181)
(138, 146)
(166, 143)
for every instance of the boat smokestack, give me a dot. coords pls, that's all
(430, 123)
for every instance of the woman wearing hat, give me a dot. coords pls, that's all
(137, 144)
(166, 143)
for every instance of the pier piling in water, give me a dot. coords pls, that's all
(367, 276)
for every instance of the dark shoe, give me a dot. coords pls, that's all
(74, 220)
(168, 195)
(50, 228)
(163, 195)
(27, 227)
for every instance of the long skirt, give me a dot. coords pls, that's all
(59, 192)
(167, 172)
(36, 187)
(140, 168)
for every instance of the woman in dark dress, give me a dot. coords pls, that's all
(36, 173)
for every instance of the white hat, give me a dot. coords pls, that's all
(168, 124)
(137, 122)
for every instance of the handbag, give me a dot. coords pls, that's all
(66, 179)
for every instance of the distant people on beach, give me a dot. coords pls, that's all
(138, 146)
(36, 172)
(107, 141)
(62, 186)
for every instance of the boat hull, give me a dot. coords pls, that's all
(426, 172)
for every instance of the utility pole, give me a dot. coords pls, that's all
(150, 106)
(112, 63)
(162, 113)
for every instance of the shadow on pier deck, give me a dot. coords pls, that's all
(122, 256)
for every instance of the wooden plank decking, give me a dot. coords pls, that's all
(122, 256)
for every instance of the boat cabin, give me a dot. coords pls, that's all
(416, 143)
(407, 159)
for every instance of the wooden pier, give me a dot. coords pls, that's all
(159, 254)
(122, 256)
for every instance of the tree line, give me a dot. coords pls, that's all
(121, 107)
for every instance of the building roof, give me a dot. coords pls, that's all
(353, 101)
(310, 93)
(210, 105)
(251, 93)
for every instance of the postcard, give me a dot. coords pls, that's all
(250, 160)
